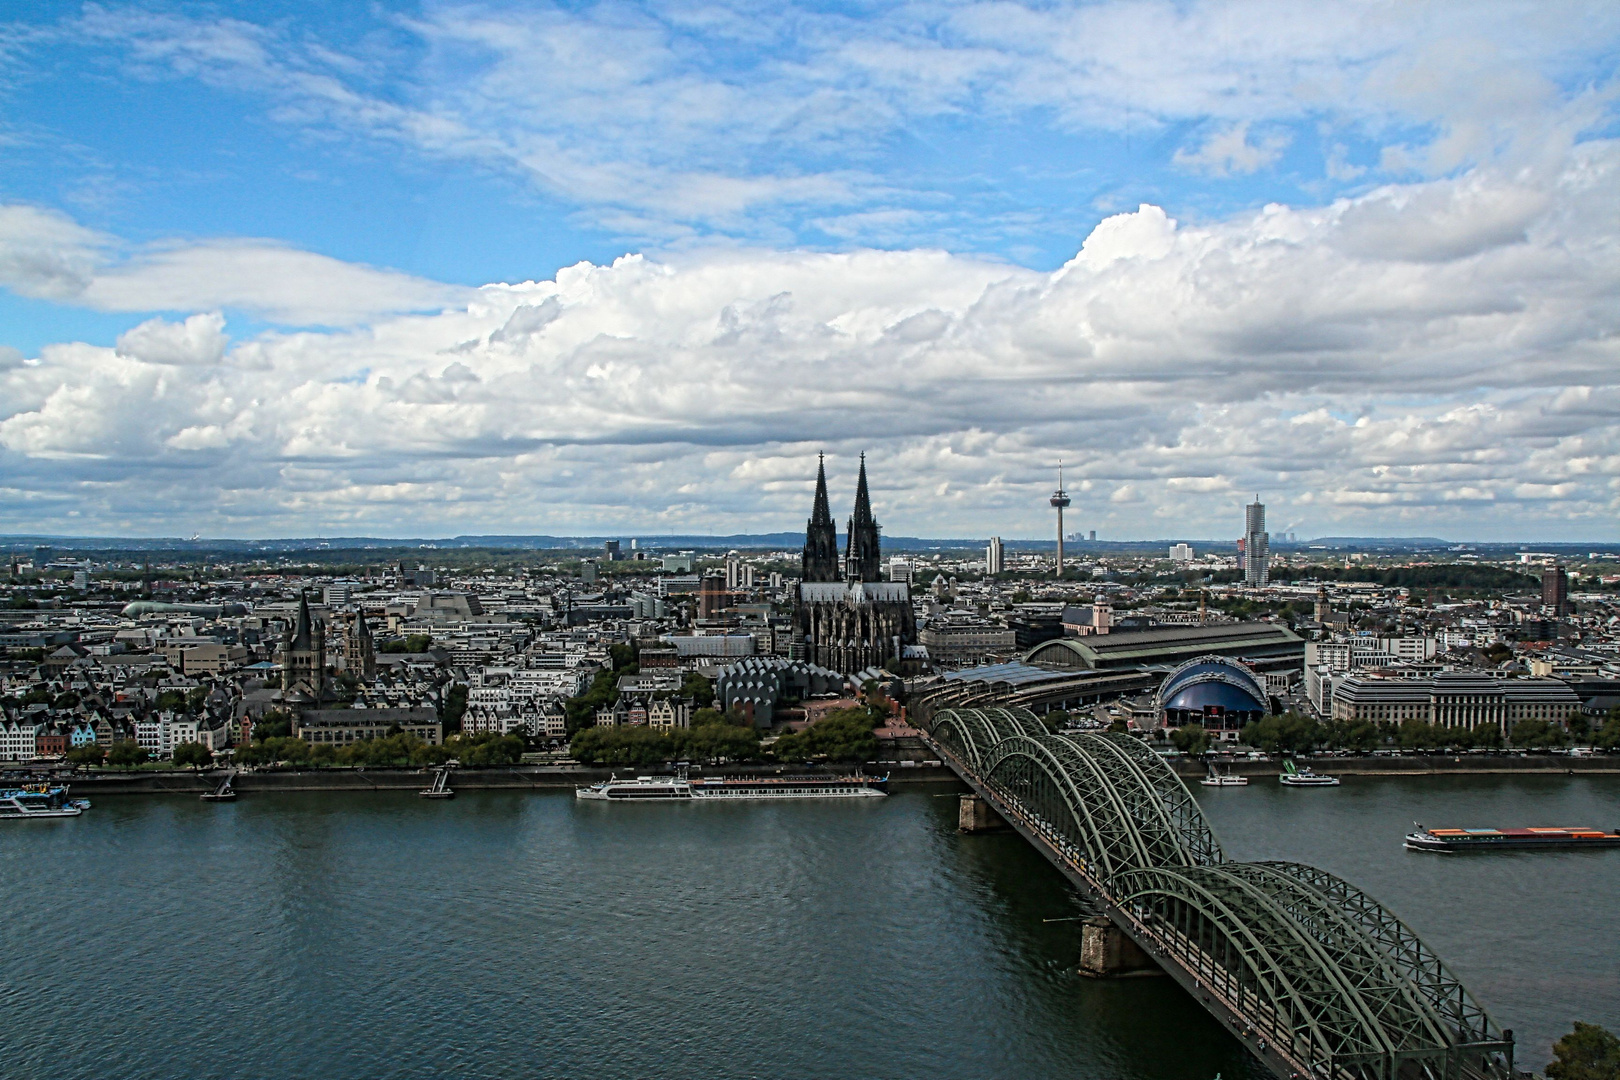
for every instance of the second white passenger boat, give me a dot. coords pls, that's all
(714, 788)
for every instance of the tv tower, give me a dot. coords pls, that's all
(1060, 499)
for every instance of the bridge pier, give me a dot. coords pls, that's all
(1106, 951)
(974, 815)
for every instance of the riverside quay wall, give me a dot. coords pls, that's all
(158, 782)
(1419, 765)
(517, 777)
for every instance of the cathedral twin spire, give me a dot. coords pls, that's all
(861, 557)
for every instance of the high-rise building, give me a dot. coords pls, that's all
(610, 550)
(995, 559)
(1181, 553)
(1555, 591)
(900, 569)
(1093, 536)
(1256, 544)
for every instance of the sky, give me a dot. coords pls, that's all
(423, 269)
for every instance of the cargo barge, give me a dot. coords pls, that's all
(1572, 837)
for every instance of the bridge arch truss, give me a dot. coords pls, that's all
(1314, 968)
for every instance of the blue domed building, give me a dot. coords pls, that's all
(1217, 692)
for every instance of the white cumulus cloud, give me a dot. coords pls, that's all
(1433, 358)
(201, 339)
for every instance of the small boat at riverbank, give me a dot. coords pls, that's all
(1219, 777)
(717, 788)
(40, 801)
(1296, 777)
(1557, 838)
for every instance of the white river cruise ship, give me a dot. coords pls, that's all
(680, 786)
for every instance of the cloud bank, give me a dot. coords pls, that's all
(1436, 357)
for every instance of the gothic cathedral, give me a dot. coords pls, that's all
(847, 617)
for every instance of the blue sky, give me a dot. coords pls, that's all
(340, 188)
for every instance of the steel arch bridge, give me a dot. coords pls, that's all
(1316, 977)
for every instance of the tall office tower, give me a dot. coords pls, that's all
(1256, 544)
(1555, 591)
(1060, 499)
(995, 559)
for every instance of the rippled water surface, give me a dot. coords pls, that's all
(527, 935)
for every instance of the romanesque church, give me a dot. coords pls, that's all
(847, 617)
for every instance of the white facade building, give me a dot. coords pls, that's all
(19, 741)
(995, 557)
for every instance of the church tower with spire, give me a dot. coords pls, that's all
(848, 618)
(861, 559)
(303, 671)
(820, 534)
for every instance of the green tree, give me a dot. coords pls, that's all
(485, 749)
(1608, 736)
(1291, 733)
(1578, 726)
(697, 688)
(581, 710)
(171, 701)
(193, 754)
(844, 735)
(1538, 735)
(1589, 1052)
(1191, 739)
(621, 746)
(1417, 735)
(89, 754)
(454, 707)
(126, 754)
(274, 724)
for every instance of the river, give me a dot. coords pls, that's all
(508, 934)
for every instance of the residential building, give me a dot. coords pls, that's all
(19, 740)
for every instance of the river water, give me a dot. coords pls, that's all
(527, 935)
